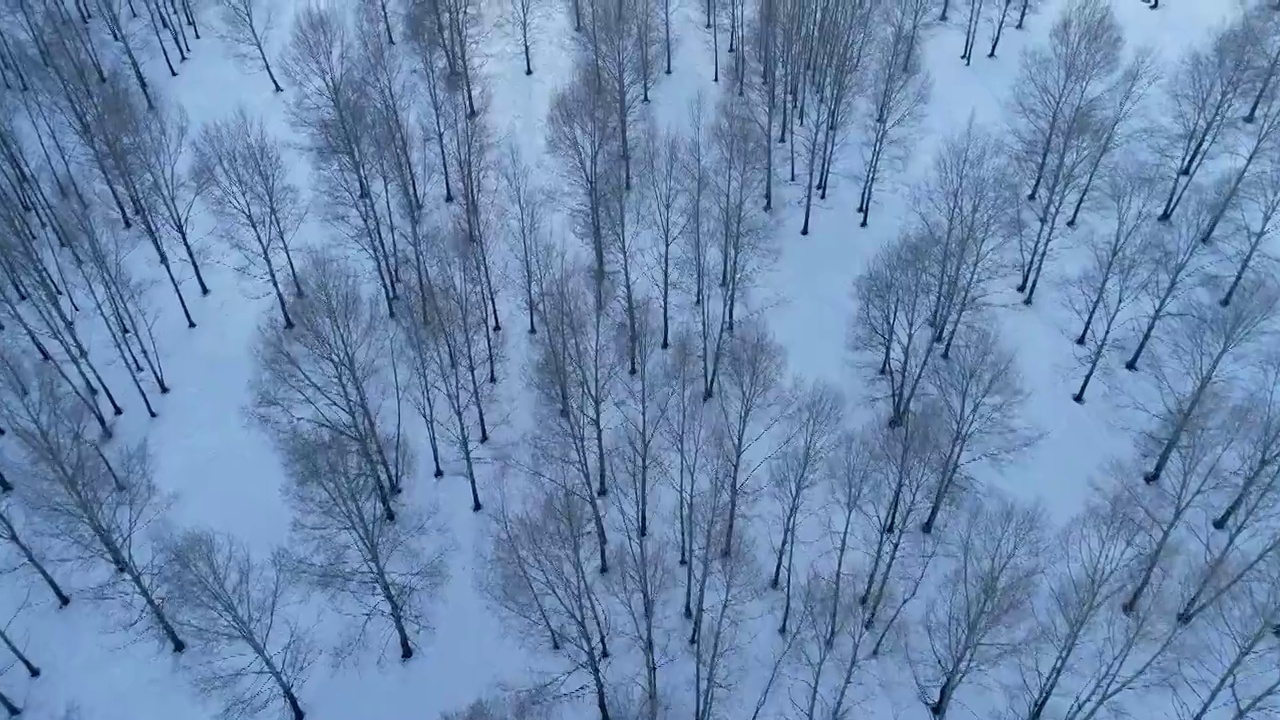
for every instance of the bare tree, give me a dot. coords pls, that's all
(848, 476)
(688, 434)
(1245, 538)
(10, 707)
(1116, 274)
(622, 219)
(900, 88)
(1090, 560)
(333, 372)
(1262, 19)
(1257, 144)
(117, 21)
(163, 153)
(580, 134)
(643, 578)
(666, 196)
(1057, 127)
(526, 200)
(473, 156)
(96, 502)
(9, 533)
(445, 327)
(618, 46)
(258, 210)
(964, 209)
(894, 558)
(34, 302)
(1193, 475)
(535, 704)
(644, 405)
(1117, 133)
(812, 428)
(378, 571)
(724, 592)
(19, 654)
(1235, 675)
(752, 402)
(1255, 212)
(734, 242)
(238, 609)
(138, 152)
(543, 560)
(843, 32)
(1001, 9)
(247, 25)
(1206, 94)
(979, 617)
(335, 109)
(891, 332)
(1127, 652)
(973, 20)
(163, 16)
(116, 291)
(981, 401)
(575, 378)
(1176, 264)
(525, 16)
(1205, 351)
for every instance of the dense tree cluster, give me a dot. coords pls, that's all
(672, 486)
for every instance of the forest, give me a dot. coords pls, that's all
(639, 359)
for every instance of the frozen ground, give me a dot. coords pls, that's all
(224, 474)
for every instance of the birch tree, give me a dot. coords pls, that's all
(964, 210)
(1207, 92)
(812, 427)
(333, 372)
(238, 609)
(9, 533)
(1090, 560)
(543, 552)
(100, 504)
(1116, 274)
(248, 25)
(1057, 122)
(258, 210)
(980, 396)
(1209, 346)
(379, 573)
(977, 620)
(899, 89)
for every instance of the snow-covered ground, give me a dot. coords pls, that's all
(224, 473)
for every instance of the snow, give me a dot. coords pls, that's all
(224, 474)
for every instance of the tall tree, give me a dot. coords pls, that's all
(542, 578)
(336, 372)
(258, 210)
(899, 93)
(248, 25)
(238, 609)
(1057, 101)
(1206, 93)
(334, 108)
(981, 400)
(98, 503)
(977, 619)
(380, 572)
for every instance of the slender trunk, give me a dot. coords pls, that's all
(25, 551)
(12, 709)
(32, 669)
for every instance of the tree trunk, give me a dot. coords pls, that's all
(31, 668)
(9, 706)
